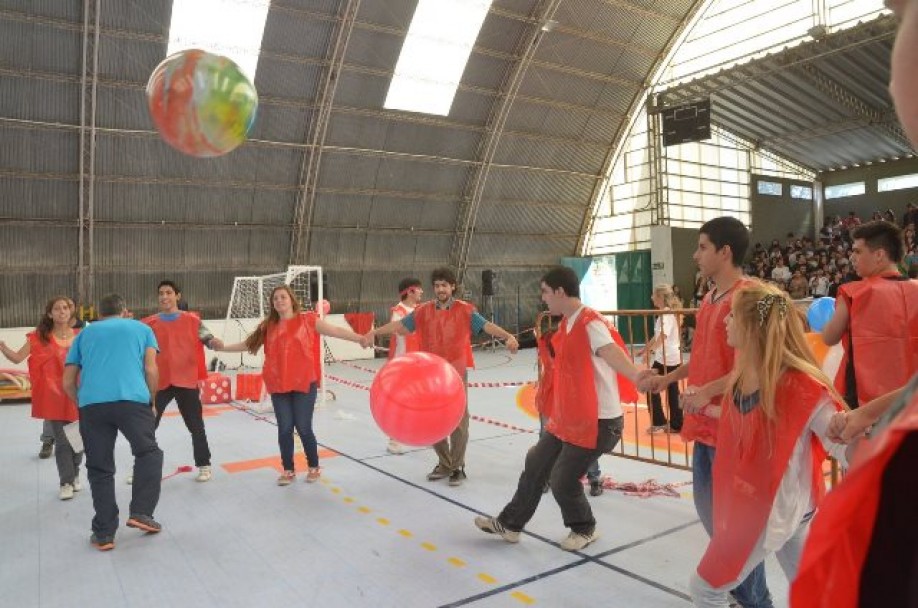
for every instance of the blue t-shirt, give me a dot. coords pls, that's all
(110, 355)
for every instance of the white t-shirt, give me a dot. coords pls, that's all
(401, 311)
(669, 347)
(604, 377)
(781, 273)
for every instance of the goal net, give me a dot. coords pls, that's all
(250, 303)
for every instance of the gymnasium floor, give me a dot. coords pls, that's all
(374, 532)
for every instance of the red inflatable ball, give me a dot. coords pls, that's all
(417, 399)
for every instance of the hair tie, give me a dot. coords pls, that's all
(765, 304)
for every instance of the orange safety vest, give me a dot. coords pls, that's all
(712, 358)
(840, 534)
(290, 354)
(181, 355)
(46, 373)
(412, 340)
(752, 457)
(883, 338)
(447, 332)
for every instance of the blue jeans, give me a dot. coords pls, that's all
(294, 410)
(753, 591)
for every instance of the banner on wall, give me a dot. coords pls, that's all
(598, 280)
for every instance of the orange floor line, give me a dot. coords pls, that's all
(273, 462)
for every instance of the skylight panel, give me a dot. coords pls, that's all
(436, 51)
(233, 28)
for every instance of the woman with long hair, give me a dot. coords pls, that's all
(46, 348)
(771, 444)
(291, 373)
(665, 348)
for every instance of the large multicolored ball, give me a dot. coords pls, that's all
(417, 399)
(202, 104)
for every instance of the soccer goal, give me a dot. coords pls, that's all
(250, 303)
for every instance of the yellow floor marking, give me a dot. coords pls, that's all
(429, 546)
(336, 490)
(487, 578)
(348, 499)
(405, 533)
(519, 595)
(325, 480)
(382, 520)
(364, 509)
(455, 561)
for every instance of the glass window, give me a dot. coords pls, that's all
(899, 182)
(769, 188)
(842, 190)
(801, 192)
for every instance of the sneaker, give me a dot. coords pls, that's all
(313, 474)
(491, 525)
(102, 543)
(576, 541)
(66, 491)
(286, 478)
(437, 473)
(204, 474)
(144, 522)
(596, 488)
(658, 428)
(77, 486)
(46, 448)
(456, 477)
(395, 447)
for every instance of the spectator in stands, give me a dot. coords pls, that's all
(819, 284)
(850, 222)
(798, 288)
(911, 215)
(781, 274)
(834, 284)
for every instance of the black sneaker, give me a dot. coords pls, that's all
(456, 477)
(46, 448)
(144, 522)
(437, 473)
(101, 542)
(596, 488)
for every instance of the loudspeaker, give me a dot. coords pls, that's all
(691, 122)
(488, 282)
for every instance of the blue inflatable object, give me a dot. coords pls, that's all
(819, 313)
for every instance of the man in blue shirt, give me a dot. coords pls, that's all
(446, 326)
(111, 373)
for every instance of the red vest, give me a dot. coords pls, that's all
(181, 355)
(412, 340)
(575, 408)
(46, 373)
(290, 354)
(712, 358)
(447, 333)
(884, 331)
(830, 567)
(752, 457)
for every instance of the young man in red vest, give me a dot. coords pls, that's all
(876, 318)
(584, 413)
(446, 326)
(410, 291)
(722, 246)
(181, 337)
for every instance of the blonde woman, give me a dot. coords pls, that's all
(771, 444)
(665, 350)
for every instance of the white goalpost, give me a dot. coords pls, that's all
(250, 303)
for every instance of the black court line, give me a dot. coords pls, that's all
(587, 559)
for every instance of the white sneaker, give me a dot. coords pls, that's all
(66, 492)
(576, 541)
(204, 474)
(492, 526)
(77, 486)
(395, 447)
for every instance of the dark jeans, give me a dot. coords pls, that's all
(658, 418)
(189, 405)
(68, 461)
(594, 473)
(564, 464)
(294, 410)
(99, 427)
(752, 592)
